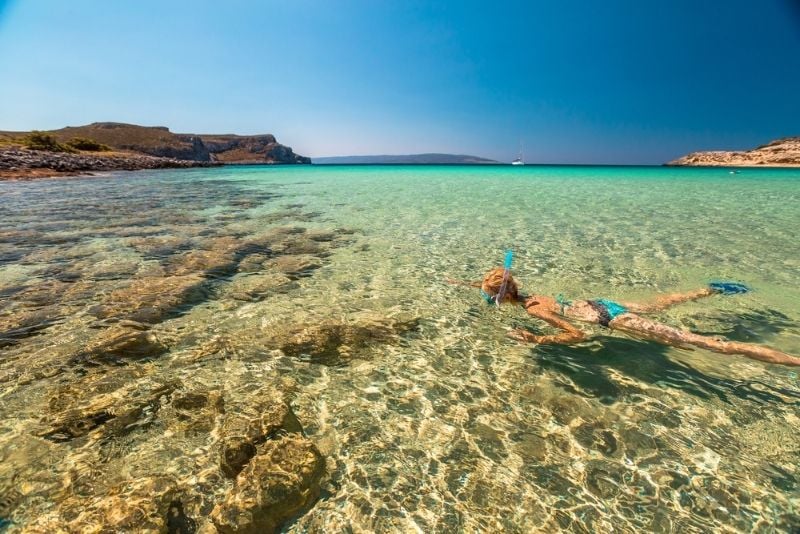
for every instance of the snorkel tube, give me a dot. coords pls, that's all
(506, 272)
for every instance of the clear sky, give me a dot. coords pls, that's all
(613, 81)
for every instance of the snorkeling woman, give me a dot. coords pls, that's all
(498, 286)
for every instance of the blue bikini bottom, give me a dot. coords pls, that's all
(607, 309)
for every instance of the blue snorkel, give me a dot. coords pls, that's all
(506, 273)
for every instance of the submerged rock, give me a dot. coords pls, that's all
(10, 497)
(212, 262)
(323, 236)
(249, 425)
(253, 263)
(177, 520)
(301, 245)
(277, 234)
(593, 436)
(194, 412)
(604, 479)
(255, 288)
(140, 505)
(330, 342)
(286, 215)
(281, 480)
(566, 409)
(49, 293)
(160, 246)
(152, 300)
(18, 326)
(109, 416)
(113, 413)
(295, 266)
(121, 342)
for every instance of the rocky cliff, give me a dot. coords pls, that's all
(160, 142)
(249, 149)
(779, 153)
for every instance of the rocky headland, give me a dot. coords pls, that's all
(779, 153)
(108, 146)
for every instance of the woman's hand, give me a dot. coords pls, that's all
(564, 338)
(520, 334)
(531, 301)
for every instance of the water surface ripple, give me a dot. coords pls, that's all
(142, 313)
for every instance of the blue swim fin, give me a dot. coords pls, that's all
(729, 288)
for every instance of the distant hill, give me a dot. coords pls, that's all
(409, 159)
(779, 153)
(159, 141)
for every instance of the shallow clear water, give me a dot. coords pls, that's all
(451, 425)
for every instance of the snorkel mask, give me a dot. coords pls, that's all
(501, 293)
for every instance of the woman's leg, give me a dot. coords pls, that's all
(643, 327)
(666, 301)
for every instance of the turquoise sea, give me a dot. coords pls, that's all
(427, 416)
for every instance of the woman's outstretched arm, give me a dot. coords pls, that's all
(569, 334)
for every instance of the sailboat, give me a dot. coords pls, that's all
(519, 161)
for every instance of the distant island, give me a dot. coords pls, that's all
(783, 152)
(408, 159)
(104, 146)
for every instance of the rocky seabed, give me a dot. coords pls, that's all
(118, 419)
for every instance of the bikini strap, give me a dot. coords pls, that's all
(563, 302)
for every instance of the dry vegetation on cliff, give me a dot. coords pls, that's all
(130, 147)
(783, 152)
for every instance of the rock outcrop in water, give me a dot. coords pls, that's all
(21, 163)
(257, 437)
(780, 153)
(282, 479)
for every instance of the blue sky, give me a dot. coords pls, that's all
(618, 81)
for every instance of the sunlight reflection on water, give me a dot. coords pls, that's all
(443, 423)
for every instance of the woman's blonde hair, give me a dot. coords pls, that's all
(494, 279)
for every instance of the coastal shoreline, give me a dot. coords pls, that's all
(722, 164)
(25, 164)
(783, 152)
(114, 146)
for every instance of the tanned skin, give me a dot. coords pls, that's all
(631, 322)
(548, 310)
